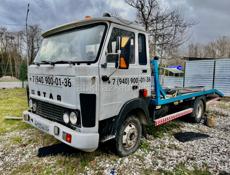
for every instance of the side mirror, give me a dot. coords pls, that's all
(124, 49)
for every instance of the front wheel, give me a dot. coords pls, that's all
(128, 136)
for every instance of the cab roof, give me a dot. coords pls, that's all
(75, 24)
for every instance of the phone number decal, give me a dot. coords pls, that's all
(51, 80)
(127, 81)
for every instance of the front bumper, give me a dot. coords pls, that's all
(84, 141)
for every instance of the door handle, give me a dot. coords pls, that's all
(104, 65)
(144, 71)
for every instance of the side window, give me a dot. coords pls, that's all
(112, 45)
(142, 49)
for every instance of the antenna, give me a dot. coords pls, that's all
(27, 14)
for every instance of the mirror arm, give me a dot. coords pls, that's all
(112, 73)
(106, 78)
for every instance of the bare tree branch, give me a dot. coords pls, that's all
(168, 30)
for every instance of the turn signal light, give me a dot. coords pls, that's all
(88, 17)
(67, 137)
(144, 93)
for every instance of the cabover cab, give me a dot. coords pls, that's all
(86, 78)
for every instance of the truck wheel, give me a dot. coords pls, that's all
(128, 136)
(198, 110)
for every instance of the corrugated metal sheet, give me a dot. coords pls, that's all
(172, 82)
(199, 73)
(169, 81)
(222, 76)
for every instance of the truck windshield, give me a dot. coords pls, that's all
(78, 45)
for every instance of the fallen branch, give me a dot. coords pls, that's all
(12, 118)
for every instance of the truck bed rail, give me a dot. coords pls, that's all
(161, 96)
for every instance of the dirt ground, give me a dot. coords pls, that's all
(176, 148)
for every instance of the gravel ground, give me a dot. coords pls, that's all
(166, 153)
(155, 154)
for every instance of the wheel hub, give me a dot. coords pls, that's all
(199, 111)
(130, 136)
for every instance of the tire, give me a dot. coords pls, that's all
(198, 110)
(128, 136)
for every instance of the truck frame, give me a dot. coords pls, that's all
(92, 82)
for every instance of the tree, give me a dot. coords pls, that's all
(219, 48)
(14, 50)
(23, 73)
(11, 52)
(33, 40)
(168, 30)
(3, 51)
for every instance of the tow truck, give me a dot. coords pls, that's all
(91, 82)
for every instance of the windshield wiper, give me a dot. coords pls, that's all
(57, 62)
(37, 63)
(68, 62)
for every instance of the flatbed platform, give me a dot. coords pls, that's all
(162, 96)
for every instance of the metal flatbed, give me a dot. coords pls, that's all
(162, 98)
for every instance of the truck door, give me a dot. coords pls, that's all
(144, 63)
(122, 85)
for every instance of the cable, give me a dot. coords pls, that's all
(11, 24)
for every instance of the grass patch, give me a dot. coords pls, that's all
(145, 145)
(60, 164)
(179, 170)
(182, 170)
(76, 163)
(224, 105)
(16, 140)
(12, 103)
(33, 168)
(10, 81)
(159, 131)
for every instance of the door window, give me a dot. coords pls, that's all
(142, 49)
(113, 45)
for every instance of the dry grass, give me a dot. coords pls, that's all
(12, 103)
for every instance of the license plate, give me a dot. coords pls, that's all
(41, 126)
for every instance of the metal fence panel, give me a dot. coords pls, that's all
(199, 73)
(222, 76)
(172, 82)
(202, 73)
(169, 81)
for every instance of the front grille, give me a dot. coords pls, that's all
(55, 113)
(50, 111)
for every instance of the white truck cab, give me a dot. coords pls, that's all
(86, 77)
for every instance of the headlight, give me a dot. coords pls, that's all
(66, 118)
(31, 104)
(73, 118)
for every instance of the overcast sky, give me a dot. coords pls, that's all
(212, 16)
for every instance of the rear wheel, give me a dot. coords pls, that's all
(198, 110)
(128, 136)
